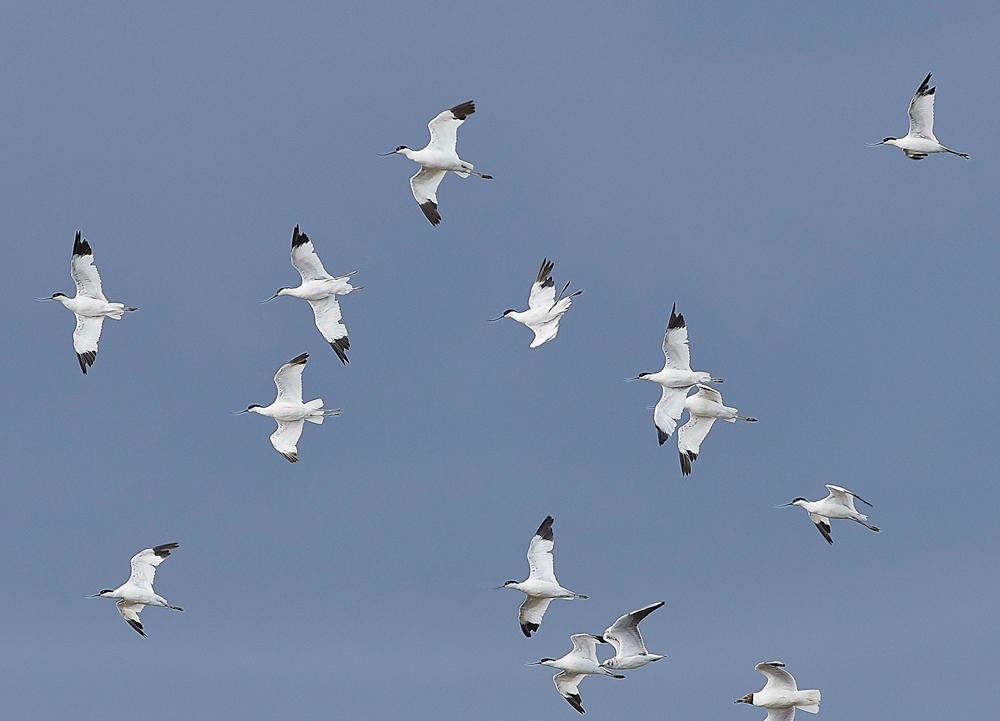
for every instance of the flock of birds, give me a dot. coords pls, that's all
(780, 695)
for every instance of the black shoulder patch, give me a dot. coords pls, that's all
(461, 112)
(81, 247)
(545, 530)
(430, 209)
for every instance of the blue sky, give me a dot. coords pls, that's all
(708, 154)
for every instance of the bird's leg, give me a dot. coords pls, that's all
(744, 418)
(490, 177)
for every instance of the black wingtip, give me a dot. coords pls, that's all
(661, 435)
(164, 550)
(528, 628)
(685, 464)
(464, 110)
(86, 359)
(290, 457)
(545, 529)
(340, 346)
(575, 701)
(676, 320)
(299, 359)
(545, 273)
(299, 238)
(80, 246)
(138, 627)
(430, 209)
(922, 90)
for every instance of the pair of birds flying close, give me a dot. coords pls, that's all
(137, 592)
(676, 378)
(438, 158)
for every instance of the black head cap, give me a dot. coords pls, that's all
(886, 140)
(401, 147)
(255, 405)
(793, 501)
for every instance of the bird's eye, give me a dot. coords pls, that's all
(401, 147)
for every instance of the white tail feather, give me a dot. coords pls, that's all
(810, 701)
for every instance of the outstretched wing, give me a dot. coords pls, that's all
(85, 338)
(778, 679)
(130, 612)
(780, 714)
(84, 272)
(667, 411)
(585, 646)
(624, 633)
(540, 553)
(822, 525)
(327, 313)
(444, 127)
(543, 290)
(144, 565)
(288, 379)
(675, 343)
(304, 258)
(689, 438)
(921, 112)
(530, 613)
(567, 684)
(286, 438)
(845, 496)
(424, 186)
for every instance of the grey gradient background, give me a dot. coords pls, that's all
(708, 154)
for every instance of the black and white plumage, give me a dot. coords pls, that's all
(541, 585)
(438, 157)
(545, 308)
(920, 142)
(137, 592)
(575, 665)
(780, 695)
(90, 306)
(704, 408)
(838, 504)
(321, 290)
(623, 634)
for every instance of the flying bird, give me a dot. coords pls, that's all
(780, 696)
(630, 651)
(676, 377)
(580, 662)
(704, 408)
(839, 504)
(541, 586)
(289, 410)
(544, 307)
(321, 290)
(90, 306)
(137, 591)
(438, 158)
(920, 141)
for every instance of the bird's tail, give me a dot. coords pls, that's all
(810, 701)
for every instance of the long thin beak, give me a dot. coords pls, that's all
(536, 663)
(492, 320)
(270, 299)
(384, 154)
(785, 505)
(44, 298)
(236, 413)
(96, 595)
(630, 379)
(870, 145)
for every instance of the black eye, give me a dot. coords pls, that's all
(887, 140)
(401, 147)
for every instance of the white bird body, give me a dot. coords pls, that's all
(920, 142)
(544, 307)
(541, 585)
(90, 306)
(704, 408)
(137, 592)
(675, 378)
(289, 410)
(623, 634)
(581, 661)
(439, 158)
(838, 504)
(780, 695)
(320, 289)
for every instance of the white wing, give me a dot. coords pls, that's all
(624, 633)
(424, 186)
(780, 714)
(85, 337)
(778, 679)
(692, 433)
(668, 410)
(130, 612)
(530, 613)
(84, 272)
(444, 127)
(709, 394)
(327, 313)
(144, 565)
(288, 379)
(543, 290)
(304, 258)
(846, 497)
(286, 437)
(540, 553)
(921, 112)
(675, 344)
(585, 646)
(567, 684)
